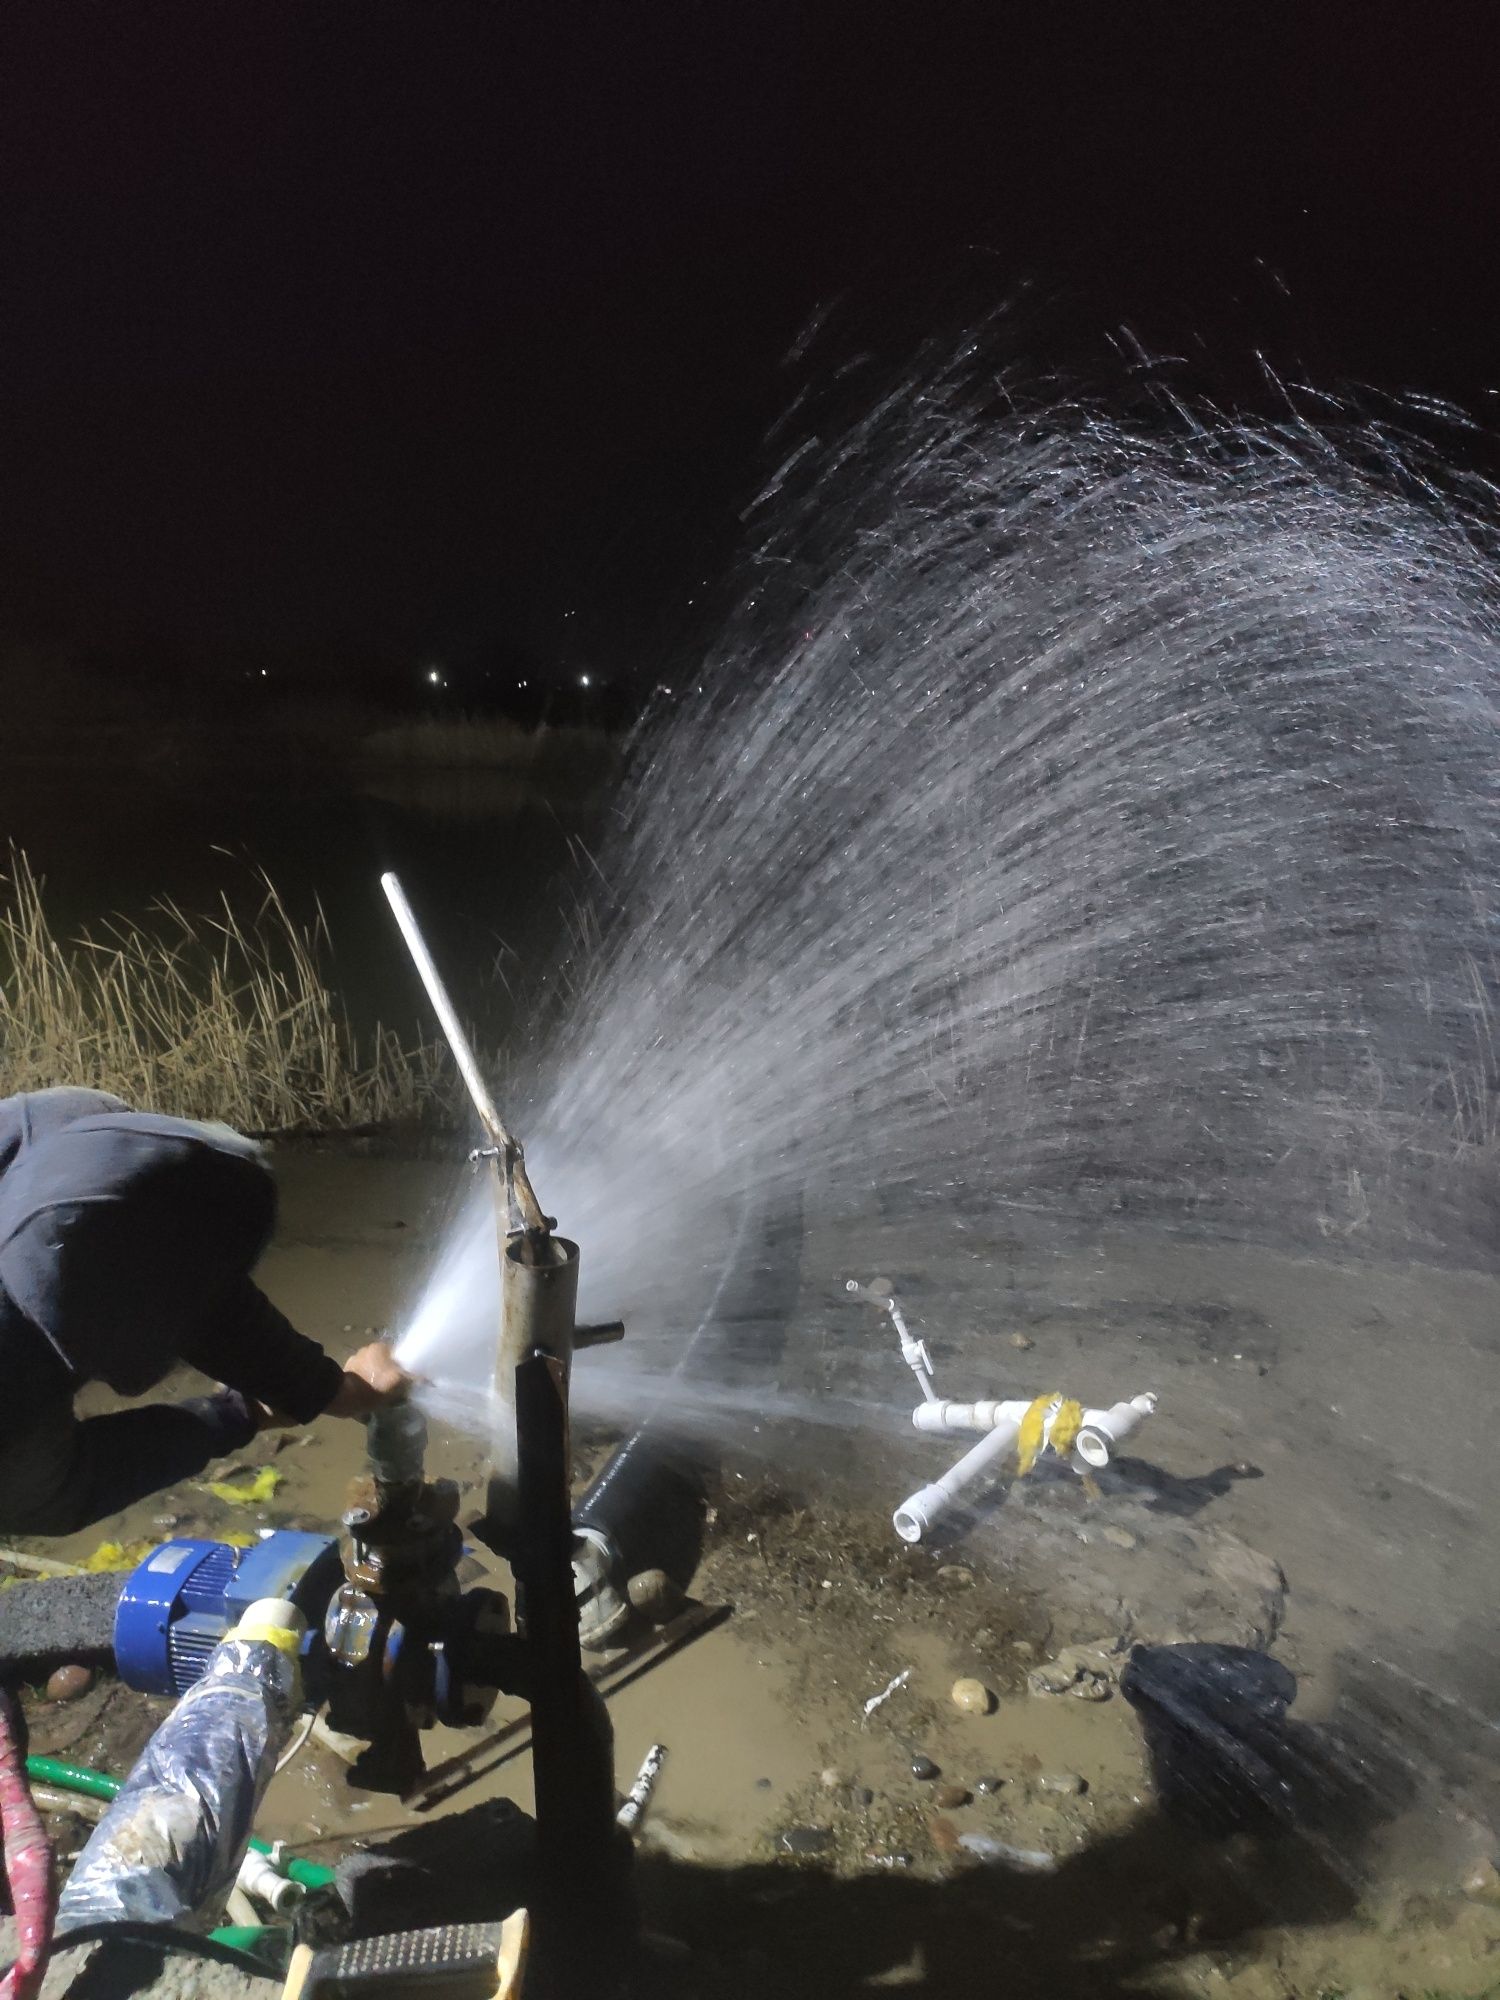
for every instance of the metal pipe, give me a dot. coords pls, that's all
(583, 1863)
(496, 1130)
(442, 1006)
(538, 1300)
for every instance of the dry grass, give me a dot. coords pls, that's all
(213, 1017)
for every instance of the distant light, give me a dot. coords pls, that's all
(435, 677)
(263, 673)
(583, 680)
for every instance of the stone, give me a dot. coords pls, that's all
(955, 1576)
(985, 1847)
(1091, 1687)
(1022, 1342)
(763, 1784)
(948, 1797)
(923, 1769)
(1063, 1784)
(830, 1779)
(1093, 1659)
(989, 1784)
(1120, 1538)
(972, 1697)
(944, 1834)
(654, 1595)
(68, 1683)
(1482, 1883)
(805, 1840)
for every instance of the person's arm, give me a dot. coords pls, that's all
(254, 1348)
(257, 1350)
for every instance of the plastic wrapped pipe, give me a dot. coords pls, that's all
(170, 1848)
(28, 1861)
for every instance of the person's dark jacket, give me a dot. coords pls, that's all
(126, 1245)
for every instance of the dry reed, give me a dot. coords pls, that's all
(211, 1017)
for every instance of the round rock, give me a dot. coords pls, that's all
(1065, 1784)
(950, 1796)
(805, 1840)
(923, 1769)
(944, 1834)
(972, 1697)
(68, 1683)
(988, 1785)
(653, 1593)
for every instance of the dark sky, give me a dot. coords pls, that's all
(343, 332)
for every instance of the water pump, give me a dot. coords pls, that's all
(393, 1644)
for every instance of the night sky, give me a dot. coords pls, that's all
(346, 336)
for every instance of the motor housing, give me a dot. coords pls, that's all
(179, 1601)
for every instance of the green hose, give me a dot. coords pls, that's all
(269, 1943)
(99, 1785)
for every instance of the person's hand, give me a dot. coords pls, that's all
(372, 1378)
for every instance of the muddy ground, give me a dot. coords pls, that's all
(1302, 1489)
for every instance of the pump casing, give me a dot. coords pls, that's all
(178, 1603)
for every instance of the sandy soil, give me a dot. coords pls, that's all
(1323, 1423)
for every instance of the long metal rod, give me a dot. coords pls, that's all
(498, 1133)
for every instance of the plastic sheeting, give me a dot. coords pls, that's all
(169, 1848)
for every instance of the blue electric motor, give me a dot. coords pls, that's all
(180, 1601)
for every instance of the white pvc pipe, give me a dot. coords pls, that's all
(918, 1515)
(280, 1894)
(1099, 1434)
(1103, 1430)
(946, 1415)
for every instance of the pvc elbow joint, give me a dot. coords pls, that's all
(1104, 1430)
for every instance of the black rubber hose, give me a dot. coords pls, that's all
(161, 1937)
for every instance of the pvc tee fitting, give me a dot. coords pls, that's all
(277, 1891)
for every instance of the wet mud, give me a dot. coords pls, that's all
(805, 1840)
